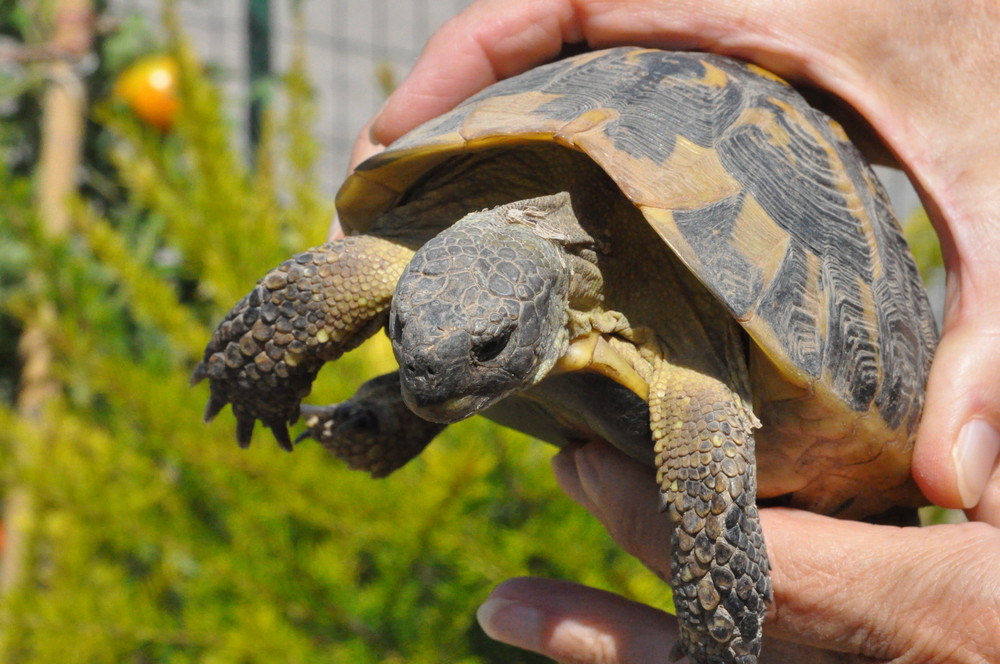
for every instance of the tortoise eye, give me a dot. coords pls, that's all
(492, 347)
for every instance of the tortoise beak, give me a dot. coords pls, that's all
(448, 411)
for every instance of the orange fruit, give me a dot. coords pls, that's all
(149, 87)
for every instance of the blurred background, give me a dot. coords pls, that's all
(355, 51)
(155, 159)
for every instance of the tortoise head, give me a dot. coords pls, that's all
(481, 310)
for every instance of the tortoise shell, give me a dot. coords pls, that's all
(768, 203)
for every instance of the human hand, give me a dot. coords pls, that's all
(843, 591)
(922, 74)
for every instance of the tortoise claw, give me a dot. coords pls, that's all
(199, 374)
(213, 407)
(355, 417)
(244, 430)
(280, 432)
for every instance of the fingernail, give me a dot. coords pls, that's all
(511, 622)
(974, 455)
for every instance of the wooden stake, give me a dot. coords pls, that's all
(64, 107)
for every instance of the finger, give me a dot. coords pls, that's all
(956, 456)
(838, 585)
(988, 509)
(623, 495)
(573, 623)
(958, 444)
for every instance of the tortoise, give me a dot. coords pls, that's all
(670, 251)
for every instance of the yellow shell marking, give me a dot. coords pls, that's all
(758, 238)
(760, 71)
(591, 121)
(838, 131)
(493, 115)
(764, 120)
(714, 77)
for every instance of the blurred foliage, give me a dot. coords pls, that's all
(154, 538)
(385, 76)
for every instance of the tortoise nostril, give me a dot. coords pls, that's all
(419, 368)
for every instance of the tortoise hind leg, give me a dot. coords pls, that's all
(373, 430)
(309, 310)
(703, 436)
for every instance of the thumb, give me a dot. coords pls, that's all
(958, 444)
(365, 146)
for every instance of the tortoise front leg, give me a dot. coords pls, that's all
(373, 430)
(703, 434)
(309, 310)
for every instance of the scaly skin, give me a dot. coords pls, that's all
(703, 436)
(311, 309)
(373, 430)
(479, 313)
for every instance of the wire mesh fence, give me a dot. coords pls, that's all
(355, 49)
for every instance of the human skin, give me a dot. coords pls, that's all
(843, 591)
(924, 74)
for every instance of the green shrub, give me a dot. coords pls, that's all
(151, 537)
